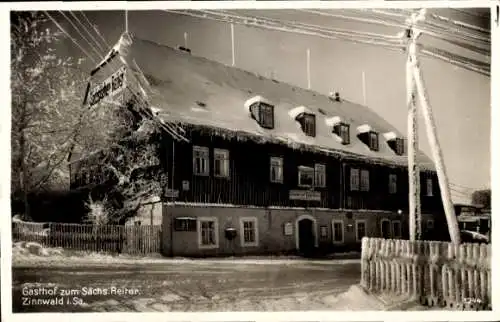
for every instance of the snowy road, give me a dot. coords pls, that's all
(190, 286)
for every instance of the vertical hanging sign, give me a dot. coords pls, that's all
(110, 87)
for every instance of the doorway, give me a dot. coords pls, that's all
(306, 235)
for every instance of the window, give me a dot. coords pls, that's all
(344, 133)
(430, 224)
(200, 160)
(342, 130)
(184, 224)
(276, 170)
(221, 163)
(400, 146)
(429, 191)
(249, 231)
(266, 115)
(396, 229)
(360, 230)
(393, 183)
(309, 124)
(373, 141)
(319, 175)
(354, 179)
(365, 180)
(385, 228)
(306, 176)
(338, 231)
(208, 232)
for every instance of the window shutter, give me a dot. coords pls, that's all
(365, 180)
(354, 179)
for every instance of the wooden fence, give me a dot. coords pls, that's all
(107, 238)
(437, 274)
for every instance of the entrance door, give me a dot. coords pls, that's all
(386, 229)
(306, 236)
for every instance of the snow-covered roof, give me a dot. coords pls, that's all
(294, 112)
(334, 120)
(177, 81)
(390, 136)
(364, 128)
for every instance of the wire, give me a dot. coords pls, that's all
(366, 20)
(95, 29)
(263, 25)
(340, 31)
(88, 32)
(69, 36)
(99, 55)
(440, 54)
(426, 27)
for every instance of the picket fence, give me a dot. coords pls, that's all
(136, 240)
(437, 274)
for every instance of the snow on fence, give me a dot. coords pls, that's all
(435, 273)
(94, 238)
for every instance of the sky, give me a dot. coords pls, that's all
(460, 99)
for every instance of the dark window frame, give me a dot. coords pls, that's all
(373, 137)
(266, 115)
(307, 123)
(337, 129)
(400, 146)
(185, 224)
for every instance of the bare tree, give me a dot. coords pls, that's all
(46, 106)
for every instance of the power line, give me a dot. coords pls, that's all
(69, 36)
(95, 28)
(359, 19)
(87, 31)
(285, 28)
(340, 31)
(99, 55)
(277, 25)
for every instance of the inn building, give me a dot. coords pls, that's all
(267, 167)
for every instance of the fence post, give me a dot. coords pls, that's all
(364, 261)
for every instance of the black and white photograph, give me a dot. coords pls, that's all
(251, 159)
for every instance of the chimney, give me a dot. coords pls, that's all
(334, 96)
(184, 49)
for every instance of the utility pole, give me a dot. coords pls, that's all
(415, 80)
(232, 44)
(126, 21)
(308, 68)
(415, 215)
(363, 80)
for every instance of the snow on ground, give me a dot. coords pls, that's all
(165, 284)
(34, 254)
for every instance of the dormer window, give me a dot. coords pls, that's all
(306, 119)
(262, 111)
(342, 130)
(373, 141)
(397, 144)
(400, 146)
(266, 115)
(308, 123)
(368, 136)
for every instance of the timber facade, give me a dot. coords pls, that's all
(258, 174)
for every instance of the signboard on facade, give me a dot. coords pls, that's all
(172, 193)
(305, 195)
(323, 231)
(110, 87)
(288, 229)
